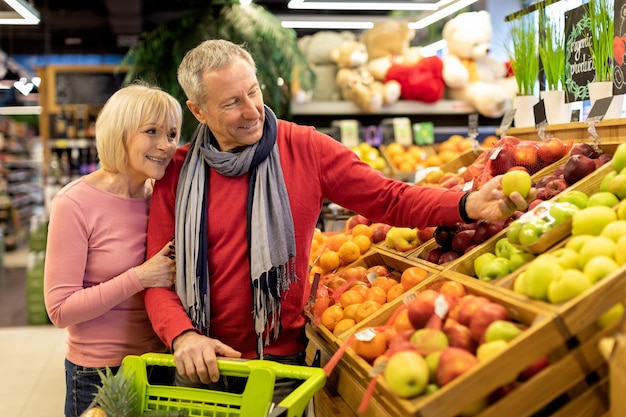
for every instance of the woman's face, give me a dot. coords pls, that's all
(151, 149)
(234, 108)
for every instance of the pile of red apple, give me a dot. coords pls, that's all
(449, 332)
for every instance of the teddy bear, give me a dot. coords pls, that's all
(356, 83)
(469, 72)
(317, 49)
(391, 58)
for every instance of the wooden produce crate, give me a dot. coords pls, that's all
(562, 380)
(406, 176)
(396, 265)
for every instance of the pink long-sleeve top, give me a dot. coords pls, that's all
(315, 167)
(94, 240)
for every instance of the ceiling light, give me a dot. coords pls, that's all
(440, 14)
(328, 22)
(361, 5)
(23, 14)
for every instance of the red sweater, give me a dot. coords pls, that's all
(315, 167)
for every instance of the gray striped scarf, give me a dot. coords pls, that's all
(271, 238)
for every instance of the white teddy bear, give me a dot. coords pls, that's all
(470, 73)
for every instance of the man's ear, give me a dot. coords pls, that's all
(196, 111)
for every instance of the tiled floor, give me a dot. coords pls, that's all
(31, 357)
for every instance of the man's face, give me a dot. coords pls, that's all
(234, 107)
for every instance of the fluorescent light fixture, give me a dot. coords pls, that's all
(440, 14)
(23, 14)
(328, 22)
(363, 5)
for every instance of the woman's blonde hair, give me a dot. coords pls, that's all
(124, 113)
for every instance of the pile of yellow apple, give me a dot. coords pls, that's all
(370, 155)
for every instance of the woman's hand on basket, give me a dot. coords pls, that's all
(196, 355)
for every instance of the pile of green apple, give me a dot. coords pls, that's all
(505, 259)
(595, 249)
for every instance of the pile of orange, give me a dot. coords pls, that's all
(363, 298)
(329, 252)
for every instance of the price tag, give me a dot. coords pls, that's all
(507, 121)
(599, 109)
(349, 132)
(402, 131)
(365, 335)
(540, 113)
(424, 133)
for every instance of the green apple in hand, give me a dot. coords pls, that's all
(591, 220)
(516, 180)
(568, 285)
(538, 276)
(599, 267)
(596, 246)
(576, 197)
(406, 373)
(502, 330)
(603, 198)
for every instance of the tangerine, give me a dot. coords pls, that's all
(362, 229)
(350, 297)
(343, 325)
(394, 292)
(363, 242)
(372, 348)
(349, 252)
(366, 308)
(358, 273)
(453, 289)
(349, 311)
(331, 315)
(360, 287)
(384, 282)
(334, 241)
(377, 294)
(412, 276)
(329, 260)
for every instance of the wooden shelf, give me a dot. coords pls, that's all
(610, 130)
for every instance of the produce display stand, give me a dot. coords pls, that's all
(255, 401)
(580, 379)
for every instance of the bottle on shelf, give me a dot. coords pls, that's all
(81, 129)
(70, 131)
(60, 124)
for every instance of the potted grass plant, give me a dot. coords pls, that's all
(524, 59)
(552, 55)
(601, 32)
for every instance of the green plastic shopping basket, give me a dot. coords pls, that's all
(255, 401)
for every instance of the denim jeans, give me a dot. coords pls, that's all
(81, 382)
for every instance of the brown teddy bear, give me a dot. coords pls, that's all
(356, 83)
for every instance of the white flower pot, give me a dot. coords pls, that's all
(524, 111)
(557, 110)
(602, 89)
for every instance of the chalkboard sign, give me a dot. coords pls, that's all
(86, 87)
